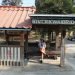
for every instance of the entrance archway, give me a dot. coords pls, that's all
(57, 23)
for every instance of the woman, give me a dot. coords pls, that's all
(42, 46)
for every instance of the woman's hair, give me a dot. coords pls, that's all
(42, 40)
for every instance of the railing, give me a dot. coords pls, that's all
(11, 55)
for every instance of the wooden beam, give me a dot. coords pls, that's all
(10, 35)
(50, 53)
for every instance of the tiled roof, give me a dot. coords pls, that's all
(15, 17)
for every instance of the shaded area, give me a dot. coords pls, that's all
(33, 50)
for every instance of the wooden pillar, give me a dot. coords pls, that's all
(6, 37)
(26, 45)
(22, 47)
(49, 38)
(42, 33)
(62, 58)
(22, 39)
(57, 40)
(52, 36)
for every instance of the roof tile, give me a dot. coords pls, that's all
(15, 17)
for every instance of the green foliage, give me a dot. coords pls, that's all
(54, 6)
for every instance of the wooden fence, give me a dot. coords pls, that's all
(11, 56)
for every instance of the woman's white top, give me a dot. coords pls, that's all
(42, 45)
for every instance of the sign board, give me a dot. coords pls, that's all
(34, 21)
(44, 19)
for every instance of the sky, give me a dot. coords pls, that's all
(0, 2)
(26, 2)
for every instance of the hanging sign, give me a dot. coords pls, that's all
(34, 21)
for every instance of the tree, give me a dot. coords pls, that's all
(11, 2)
(54, 6)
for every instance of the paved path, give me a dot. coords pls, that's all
(70, 52)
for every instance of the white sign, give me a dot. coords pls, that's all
(53, 21)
